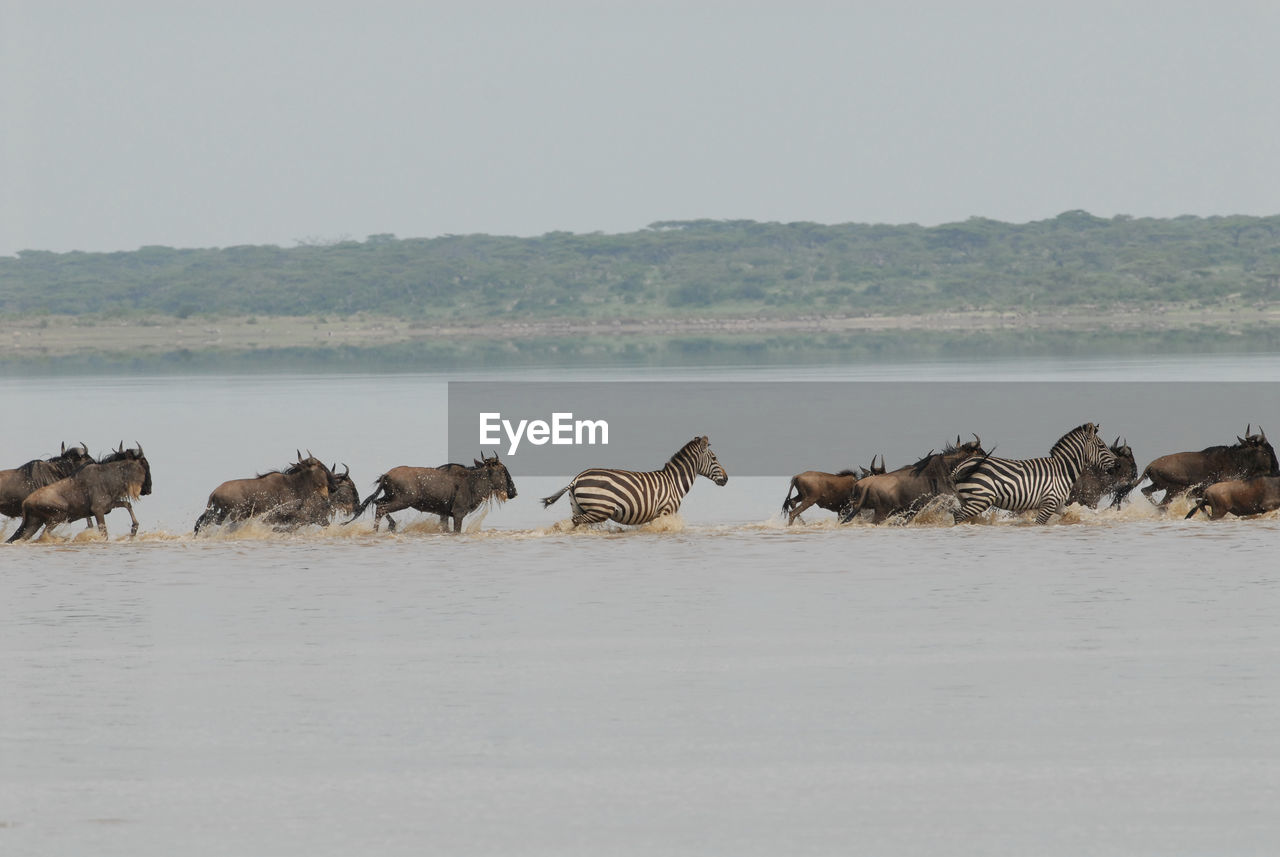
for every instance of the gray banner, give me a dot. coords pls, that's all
(782, 428)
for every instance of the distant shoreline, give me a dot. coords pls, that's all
(54, 337)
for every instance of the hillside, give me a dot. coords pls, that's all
(690, 291)
(708, 268)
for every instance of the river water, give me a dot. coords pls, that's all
(713, 683)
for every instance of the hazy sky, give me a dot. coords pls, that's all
(220, 123)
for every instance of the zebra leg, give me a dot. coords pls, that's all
(971, 506)
(1048, 509)
(595, 516)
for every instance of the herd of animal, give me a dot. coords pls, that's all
(1241, 479)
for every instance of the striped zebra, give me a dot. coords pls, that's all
(1033, 483)
(632, 497)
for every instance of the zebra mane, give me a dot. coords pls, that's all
(1079, 431)
(696, 445)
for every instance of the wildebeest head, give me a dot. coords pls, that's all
(1257, 454)
(76, 455)
(136, 454)
(500, 483)
(343, 497)
(1126, 465)
(310, 463)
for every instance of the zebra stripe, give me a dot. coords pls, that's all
(637, 497)
(1021, 485)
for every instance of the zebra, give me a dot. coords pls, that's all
(633, 497)
(1034, 483)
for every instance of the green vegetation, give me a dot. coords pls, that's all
(677, 268)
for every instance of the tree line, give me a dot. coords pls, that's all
(704, 267)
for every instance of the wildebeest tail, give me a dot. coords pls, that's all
(547, 501)
(1122, 491)
(789, 501)
(851, 509)
(1198, 507)
(374, 496)
(204, 518)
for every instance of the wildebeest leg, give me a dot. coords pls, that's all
(457, 523)
(128, 507)
(797, 509)
(101, 518)
(385, 507)
(28, 528)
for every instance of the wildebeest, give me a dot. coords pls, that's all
(92, 491)
(1240, 497)
(452, 491)
(318, 509)
(827, 491)
(1094, 482)
(18, 483)
(1187, 472)
(907, 489)
(304, 481)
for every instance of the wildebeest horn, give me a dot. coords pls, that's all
(121, 448)
(139, 445)
(85, 447)
(1117, 443)
(346, 469)
(976, 439)
(64, 448)
(299, 453)
(957, 440)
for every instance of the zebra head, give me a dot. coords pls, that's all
(707, 463)
(1085, 443)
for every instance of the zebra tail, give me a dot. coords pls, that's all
(547, 501)
(374, 495)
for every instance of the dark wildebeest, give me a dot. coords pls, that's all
(1095, 482)
(18, 483)
(827, 491)
(1240, 497)
(92, 491)
(1185, 472)
(318, 509)
(239, 499)
(907, 489)
(452, 491)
